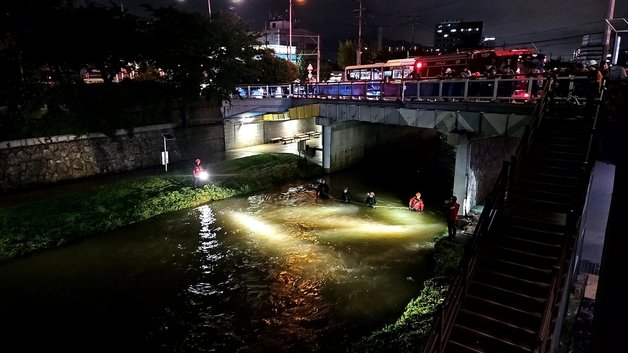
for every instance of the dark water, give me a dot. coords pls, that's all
(274, 272)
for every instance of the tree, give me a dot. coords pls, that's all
(267, 68)
(194, 50)
(346, 54)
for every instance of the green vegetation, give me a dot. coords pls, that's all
(409, 332)
(43, 224)
(32, 226)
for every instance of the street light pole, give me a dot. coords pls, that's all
(290, 32)
(209, 7)
(607, 33)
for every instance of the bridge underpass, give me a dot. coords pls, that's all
(483, 134)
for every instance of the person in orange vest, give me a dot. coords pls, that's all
(416, 203)
(197, 171)
(451, 208)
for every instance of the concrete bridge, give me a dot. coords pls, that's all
(484, 132)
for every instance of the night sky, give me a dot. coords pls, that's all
(555, 27)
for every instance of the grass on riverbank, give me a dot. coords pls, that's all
(409, 332)
(44, 224)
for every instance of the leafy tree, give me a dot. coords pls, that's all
(267, 68)
(346, 54)
(194, 50)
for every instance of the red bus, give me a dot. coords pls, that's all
(485, 62)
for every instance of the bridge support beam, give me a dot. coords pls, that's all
(461, 170)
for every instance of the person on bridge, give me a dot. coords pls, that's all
(370, 200)
(451, 209)
(416, 203)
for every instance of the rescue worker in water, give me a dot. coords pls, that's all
(416, 203)
(322, 191)
(370, 200)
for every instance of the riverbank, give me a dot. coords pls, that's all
(68, 214)
(59, 215)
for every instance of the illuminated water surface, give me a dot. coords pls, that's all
(276, 272)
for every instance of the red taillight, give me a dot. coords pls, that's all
(418, 65)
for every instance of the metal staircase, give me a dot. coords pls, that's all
(511, 290)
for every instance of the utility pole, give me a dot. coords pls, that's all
(412, 40)
(318, 58)
(358, 51)
(607, 34)
(290, 34)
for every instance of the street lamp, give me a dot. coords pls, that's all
(290, 32)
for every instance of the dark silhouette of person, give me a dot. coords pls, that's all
(451, 208)
(370, 200)
(322, 191)
(346, 197)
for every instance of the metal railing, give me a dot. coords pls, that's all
(513, 90)
(444, 320)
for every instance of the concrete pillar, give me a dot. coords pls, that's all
(326, 136)
(461, 141)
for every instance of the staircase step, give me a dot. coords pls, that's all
(455, 347)
(549, 177)
(518, 270)
(525, 244)
(546, 161)
(501, 279)
(541, 203)
(534, 218)
(485, 342)
(559, 151)
(526, 319)
(495, 327)
(520, 257)
(511, 299)
(558, 196)
(532, 232)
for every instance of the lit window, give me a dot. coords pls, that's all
(446, 35)
(453, 30)
(440, 31)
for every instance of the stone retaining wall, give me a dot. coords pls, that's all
(53, 159)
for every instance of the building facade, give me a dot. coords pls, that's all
(457, 35)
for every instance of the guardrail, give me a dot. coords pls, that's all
(522, 89)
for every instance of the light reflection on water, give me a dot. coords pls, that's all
(287, 272)
(273, 272)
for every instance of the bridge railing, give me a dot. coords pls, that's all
(513, 90)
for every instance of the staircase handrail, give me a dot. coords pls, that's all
(574, 219)
(444, 319)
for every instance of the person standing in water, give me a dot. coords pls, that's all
(370, 200)
(451, 208)
(416, 203)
